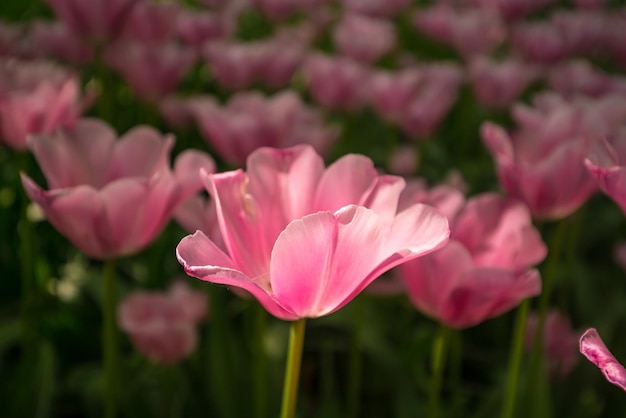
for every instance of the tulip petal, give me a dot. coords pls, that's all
(319, 260)
(592, 347)
(202, 259)
(141, 152)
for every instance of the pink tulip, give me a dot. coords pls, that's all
(196, 27)
(485, 269)
(162, 326)
(376, 8)
(151, 22)
(235, 66)
(390, 93)
(296, 239)
(607, 165)
(580, 77)
(336, 82)
(251, 120)
(94, 20)
(559, 343)
(111, 197)
(540, 42)
(11, 35)
(152, 70)
(364, 39)
(470, 31)
(35, 98)
(431, 103)
(541, 163)
(282, 9)
(403, 160)
(56, 40)
(592, 347)
(584, 32)
(514, 9)
(496, 84)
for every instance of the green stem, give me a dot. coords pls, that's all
(515, 360)
(292, 371)
(109, 338)
(356, 361)
(438, 360)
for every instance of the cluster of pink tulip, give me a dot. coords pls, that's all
(294, 218)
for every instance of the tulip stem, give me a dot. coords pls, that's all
(356, 360)
(109, 338)
(438, 361)
(292, 370)
(515, 360)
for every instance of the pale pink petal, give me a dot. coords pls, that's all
(142, 151)
(76, 156)
(320, 259)
(187, 170)
(202, 259)
(592, 346)
(348, 181)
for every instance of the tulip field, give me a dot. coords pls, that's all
(312, 208)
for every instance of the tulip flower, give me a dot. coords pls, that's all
(376, 8)
(364, 39)
(162, 326)
(305, 240)
(111, 197)
(484, 271)
(607, 165)
(56, 40)
(542, 162)
(35, 98)
(592, 347)
(251, 120)
(559, 342)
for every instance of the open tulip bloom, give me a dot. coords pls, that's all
(305, 240)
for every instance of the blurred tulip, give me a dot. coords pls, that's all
(282, 9)
(580, 77)
(198, 27)
(542, 163)
(335, 82)
(390, 93)
(539, 42)
(93, 20)
(498, 84)
(55, 40)
(251, 120)
(431, 103)
(111, 197)
(149, 22)
(376, 8)
(295, 237)
(560, 342)
(152, 70)
(36, 97)
(485, 269)
(592, 347)
(607, 165)
(364, 39)
(162, 326)
(514, 9)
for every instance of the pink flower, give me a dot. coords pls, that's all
(151, 22)
(364, 39)
(95, 20)
(485, 269)
(111, 197)
(295, 237)
(376, 8)
(432, 101)
(56, 40)
(162, 326)
(540, 42)
(152, 70)
(197, 27)
(559, 342)
(541, 163)
(282, 9)
(251, 120)
(235, 66)
(498, 84)
(390, 93)
(580, 77)
(514, 9)
(607, 165)
(592, 347)
(336, 82)
(36, 97)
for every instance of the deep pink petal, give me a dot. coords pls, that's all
(592, 346)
